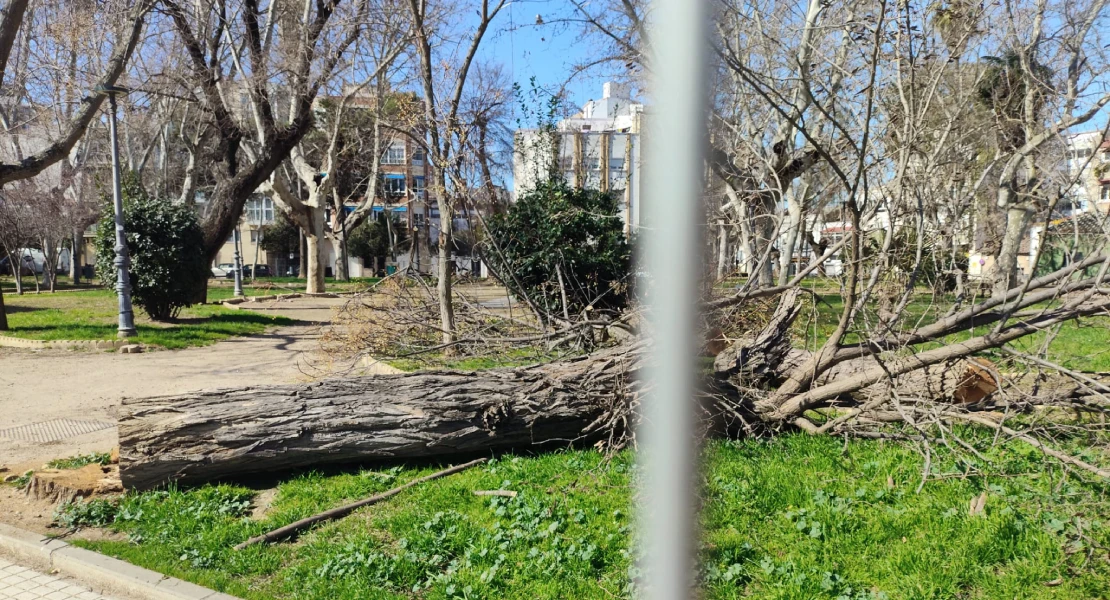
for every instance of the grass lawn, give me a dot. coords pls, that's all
(796, 517)
(91, 315)
(7, 284)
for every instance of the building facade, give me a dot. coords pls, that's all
(597, 148)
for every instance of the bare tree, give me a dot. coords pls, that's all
(126, 21)
(319, 180)
(255, 70)
(441, 120)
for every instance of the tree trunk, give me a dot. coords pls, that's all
(3, 313)
(217, 434)
(794, 225)
(317, 259)
(257, 247)
(16, 262)
(342, 262)
(302, 254)
(1006, 264)
(443, 274)
(723, 261)
(75, 258)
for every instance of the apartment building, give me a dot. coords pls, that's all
(1088, 156)
(596, 148)
(258, 212)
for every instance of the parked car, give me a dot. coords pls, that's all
(30, 259)
(261, 271)
(224, 270)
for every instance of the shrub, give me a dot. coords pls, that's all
(166, 246)
(555, 229)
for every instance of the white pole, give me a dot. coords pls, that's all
(673, 171)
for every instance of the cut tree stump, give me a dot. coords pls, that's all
(65, 485)
(217, 434)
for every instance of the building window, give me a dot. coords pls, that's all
(418, 185)
(260, 210)
(418, 157)
(1104, 192)
(395, 155)
(616, 162)
(256, 236)
(394, 185)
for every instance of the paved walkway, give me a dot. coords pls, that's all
(21, 583)
(60, 386)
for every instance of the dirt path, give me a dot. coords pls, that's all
(40, 386)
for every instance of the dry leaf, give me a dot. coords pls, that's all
(978, 503)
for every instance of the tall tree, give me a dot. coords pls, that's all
(444, 129)
(255, 70)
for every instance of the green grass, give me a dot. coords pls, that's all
(82, 460)
(7, 284)
(91, 315)
(795, 517)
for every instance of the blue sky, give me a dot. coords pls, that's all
(544, 52)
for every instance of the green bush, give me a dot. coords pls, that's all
(556, 229)
(166, 246)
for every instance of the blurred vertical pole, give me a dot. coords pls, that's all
(671, 255)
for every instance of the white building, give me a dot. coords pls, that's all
(1088, 156)
(597, 148)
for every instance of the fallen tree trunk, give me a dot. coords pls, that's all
(216, 434)
(767, 359)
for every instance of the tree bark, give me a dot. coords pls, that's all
(1006, 273)
(314, 281)
(209, 435)
(342, 261)
(3, 313)
(75, 258)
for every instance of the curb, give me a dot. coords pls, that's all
(236, 301)
(14, 342)
(101, 573)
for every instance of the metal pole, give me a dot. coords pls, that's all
(672, 210)
(238, 265)
(122, 260)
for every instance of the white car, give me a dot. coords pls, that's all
(222, 270)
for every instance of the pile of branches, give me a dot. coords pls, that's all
(398, 318)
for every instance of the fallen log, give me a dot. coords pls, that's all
(767, 359)
(216, 434)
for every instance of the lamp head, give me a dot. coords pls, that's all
(110, 90)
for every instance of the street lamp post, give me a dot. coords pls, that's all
(238, 265)
(123, 260)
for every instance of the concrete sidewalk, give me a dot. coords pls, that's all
(21, 583)
(75, 571)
